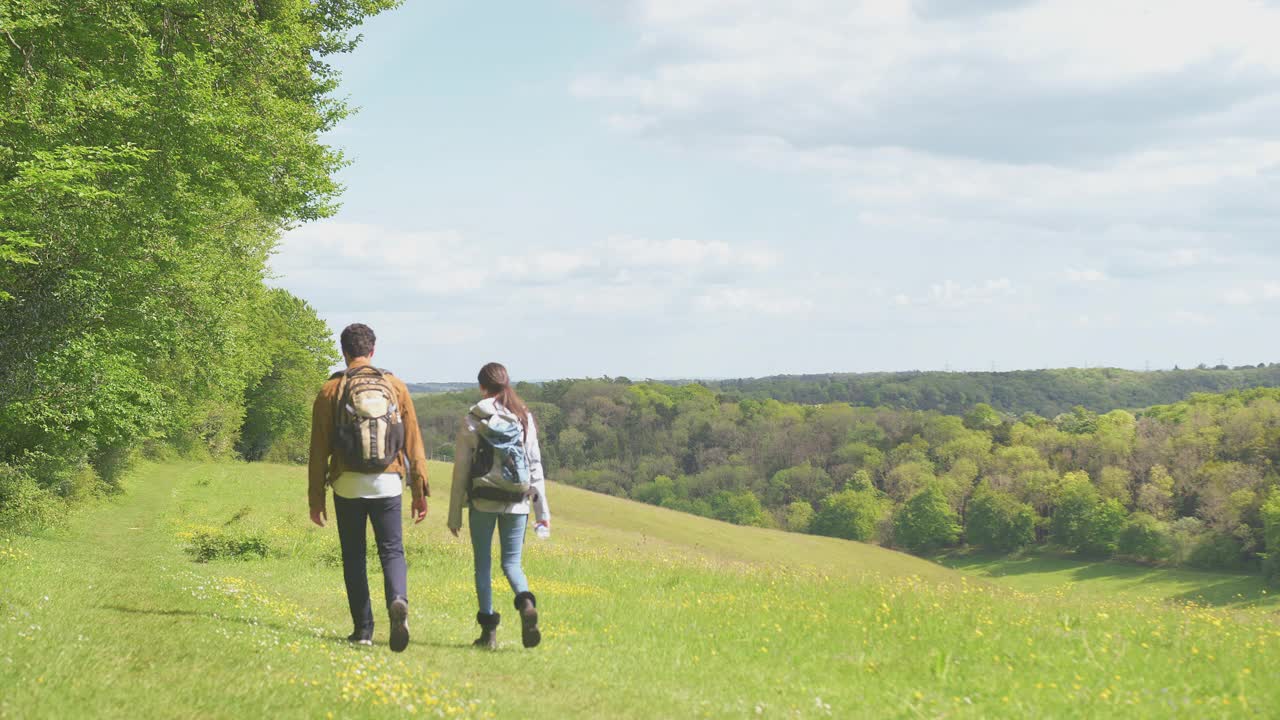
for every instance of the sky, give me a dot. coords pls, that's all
(733, 188)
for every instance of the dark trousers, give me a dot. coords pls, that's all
(352, 516)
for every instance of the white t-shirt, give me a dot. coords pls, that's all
(354, 485)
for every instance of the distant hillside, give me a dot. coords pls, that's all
(432, 388)
(1044, 392)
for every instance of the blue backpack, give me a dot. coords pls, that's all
(499, 467)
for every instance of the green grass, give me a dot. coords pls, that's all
(1088, 581)
(647, 613)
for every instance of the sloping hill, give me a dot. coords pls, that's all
(204, 592)
(596, 519)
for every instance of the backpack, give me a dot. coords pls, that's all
(499, 467)
(369, 429)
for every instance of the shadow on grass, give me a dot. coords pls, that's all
(1177, 585)
(216, 617)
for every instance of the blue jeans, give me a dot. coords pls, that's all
(511, 539)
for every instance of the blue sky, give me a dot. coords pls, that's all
(715, 188)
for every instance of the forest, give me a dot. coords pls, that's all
(1188, 483)
(151, 154)
(1043, 392)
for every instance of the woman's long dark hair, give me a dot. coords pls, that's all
(495, 381)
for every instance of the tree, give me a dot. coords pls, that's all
(997, 521)
(150, 156)
(740, 508)
(1077, 497)
(851, 514)
(1144, 537)
(1156, 495)
(926, 522)
(1271, 525)
(982, 417)
(802, 482)
(907, 479)
(300, 349)
(1103, 524)
(799, 516)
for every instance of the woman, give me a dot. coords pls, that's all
(498, 488)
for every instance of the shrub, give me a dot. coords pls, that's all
(740, 508)
(1144, 537)
(1218, 551)
(926, 522)
(209, 543)
(24, 505)
(851, 514)
(997, 521)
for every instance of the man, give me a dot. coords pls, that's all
(365, 442)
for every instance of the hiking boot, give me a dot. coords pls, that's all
(399, 612)
(363, 636)
(488, 639)
(527, 604)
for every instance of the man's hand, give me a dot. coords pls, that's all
(319, 517)
(419, 509)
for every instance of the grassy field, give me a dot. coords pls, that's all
(1085, 581)
(647, 613)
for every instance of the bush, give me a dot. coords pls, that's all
(997, 521)
(1218, 551)
(851, 514)
(1145, 538)
(208, 543)
(926, 522)
(24, 505)
(740, 508)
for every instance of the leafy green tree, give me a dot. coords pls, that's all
(982, 417)
(997, 521)
(150, 155)
(907, 479)
(1156, 495)
(802, 482)
(799, 516)
(300, 350)
(1076, 500)
(1113, 483)
(1271, 525)
(926, 522)
(1103, 524)
(740, 508)
(851, 514)
(1144, 537)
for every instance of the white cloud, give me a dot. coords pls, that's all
(1088, 115)
(1189, 317)
(952, 295)
(352, 265)
(633, 253)
(1264, 293)
(752, 300)
(1086, 276)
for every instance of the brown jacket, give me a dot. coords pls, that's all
(325, 466)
